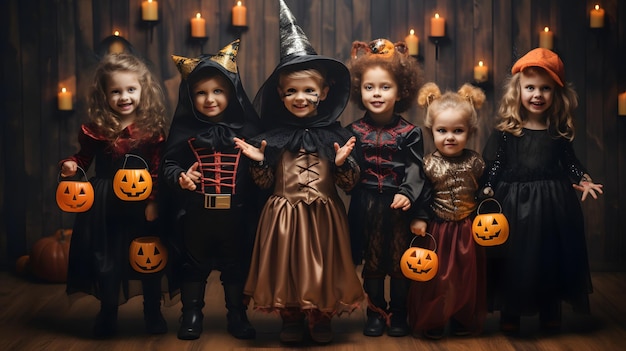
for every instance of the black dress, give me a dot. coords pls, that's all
(99, 257)
(545, 257)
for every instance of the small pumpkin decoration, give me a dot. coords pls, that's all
(147, 254)
(22, 264)
(490, 229)
(131, 184)
(75, 195)
(418, 263)
(49, 256)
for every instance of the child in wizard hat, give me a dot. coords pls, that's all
(302, 264)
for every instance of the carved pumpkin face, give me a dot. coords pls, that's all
(490, 229)
(74, 195)
(132, 184)
(147, 254)
(419, 264)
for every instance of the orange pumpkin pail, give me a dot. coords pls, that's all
(147, 254)
(74, 195)
(490, 229)
(132, 184)
(418, 263)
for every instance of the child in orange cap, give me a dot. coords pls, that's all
(533, 172)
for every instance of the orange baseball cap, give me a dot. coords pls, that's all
(545, 59)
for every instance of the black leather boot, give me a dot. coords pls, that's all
(238, 324)
(399, 290)
(192, 297)
(106, 321)
(155, 323)
(377, 307)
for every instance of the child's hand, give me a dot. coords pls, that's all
(152, 211)
(418, 227)
(342, 153)
(588, 188)
(253, 153)
(69, 168)
(401, 201)
(189, 179)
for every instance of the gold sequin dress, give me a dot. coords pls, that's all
(458, 290)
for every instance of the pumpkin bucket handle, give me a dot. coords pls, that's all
(431, 236)
(126, 156)
(489, 199)
(82, 170)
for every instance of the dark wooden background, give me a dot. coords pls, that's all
(51, 43)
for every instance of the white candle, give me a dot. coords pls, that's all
(412, 43)
(621, 108)
(546, 39)
(65, 100)
(150, 10)
(596, 17)
(198, 26)
(481, 72)
(437, 26)
(239, 15)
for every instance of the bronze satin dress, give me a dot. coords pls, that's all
(458, 290)
(302, 254)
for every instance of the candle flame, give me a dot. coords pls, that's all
(546, 29)
(436, 15)
(597, 7)
(149, 0)
(238, 3)
(480, 63)
(116, 33)
(63, 90)
(412, 32)
(198, 15)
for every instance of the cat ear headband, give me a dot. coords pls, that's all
(378, 47)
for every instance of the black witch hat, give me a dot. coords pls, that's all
(296, 53)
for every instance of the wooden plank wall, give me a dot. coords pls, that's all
(50, 44)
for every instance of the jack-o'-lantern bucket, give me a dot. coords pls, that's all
(420, 264)
(132, 184)
(490, 229)
(147, 254)
(74, 195)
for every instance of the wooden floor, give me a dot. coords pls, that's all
(38, 316)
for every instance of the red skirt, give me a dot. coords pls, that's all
(458, 290)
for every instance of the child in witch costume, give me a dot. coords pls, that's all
(211, 184)
(385, 82)
(126, 116)
(301, 263)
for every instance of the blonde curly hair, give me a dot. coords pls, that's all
(466, 101)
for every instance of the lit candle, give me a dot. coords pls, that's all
(239, 15)
(150, 10)
(412, 43)
(621, 108)
(546, 39)
(481, 72)
(596, 17)
(65, 100)
(198, 26)
(437, 26)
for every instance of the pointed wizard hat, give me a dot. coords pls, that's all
(297, 53)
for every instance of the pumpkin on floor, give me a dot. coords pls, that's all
(49, 256)
(22, 265)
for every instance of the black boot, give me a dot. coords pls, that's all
(377, 307)
(192, 297)
(155, 323)
(106, 321)
(399, 290)
(238, 324)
